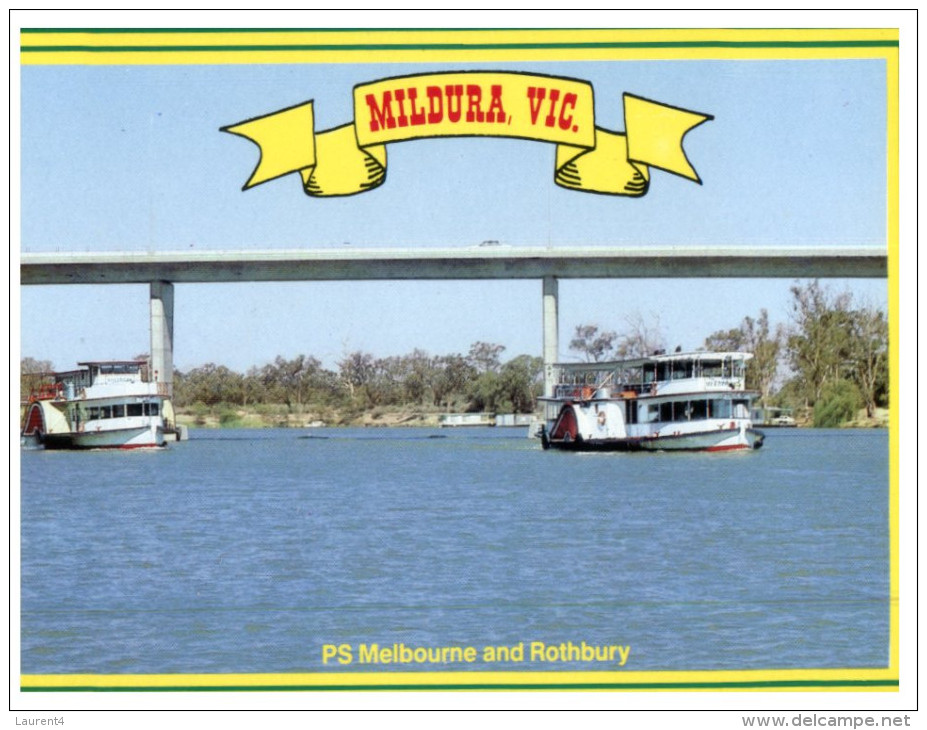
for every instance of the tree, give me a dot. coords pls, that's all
(514, 389)
(594, 346)
(292, 380)
(640, 338)
(356, 370)
(726, 341)
(484, 392)
(522, 381)
(484, 356)
(453, 373)
(869, 355)
(253, 388)
(209, 384)
(32, 373)
(385, 386)
(753, 336)
(819, 341)
(765, 346)
(839, 402)
(418, 376)
(839, 352)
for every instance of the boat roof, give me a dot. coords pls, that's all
(662, 357)
(97, 363)
(112, 362)
(62, 373)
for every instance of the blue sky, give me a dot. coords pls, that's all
(131, 158)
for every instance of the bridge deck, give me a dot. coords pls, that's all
(482, 262)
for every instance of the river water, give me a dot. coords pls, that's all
(251, 551)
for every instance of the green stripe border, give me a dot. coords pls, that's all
(386, 46)
(745, 685)
(604, 45)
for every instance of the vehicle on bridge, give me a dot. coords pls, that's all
(108, 404)
(681, 401)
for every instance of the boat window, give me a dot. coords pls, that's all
(666, 412)
(720, 408)
(649, 413)
(649, 373)
(106, 412)
(711, 369)
(682, 370)
(119, 410)
(134, 409)
(688, 410)
(741, 408)
(93, 413)
(630, 411)
(118, 368)
(698, 409)
(152, 409)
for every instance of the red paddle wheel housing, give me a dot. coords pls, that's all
(35, 420)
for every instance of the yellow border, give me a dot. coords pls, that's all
(893, 214)
(106, 47)
(745, 680)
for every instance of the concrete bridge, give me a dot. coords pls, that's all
(488, 261)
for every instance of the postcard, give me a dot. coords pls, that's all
(537, 360)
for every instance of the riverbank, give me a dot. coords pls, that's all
(879, 419)
(379, 417)
(280, 417)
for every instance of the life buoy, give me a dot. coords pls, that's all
(602, 418)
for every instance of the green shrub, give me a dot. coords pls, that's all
(228, 418)
(839, 403)
(199, 411)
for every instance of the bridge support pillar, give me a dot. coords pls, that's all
(551, 332)
(162, 333)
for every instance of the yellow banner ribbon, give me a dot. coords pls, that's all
(352, 158)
